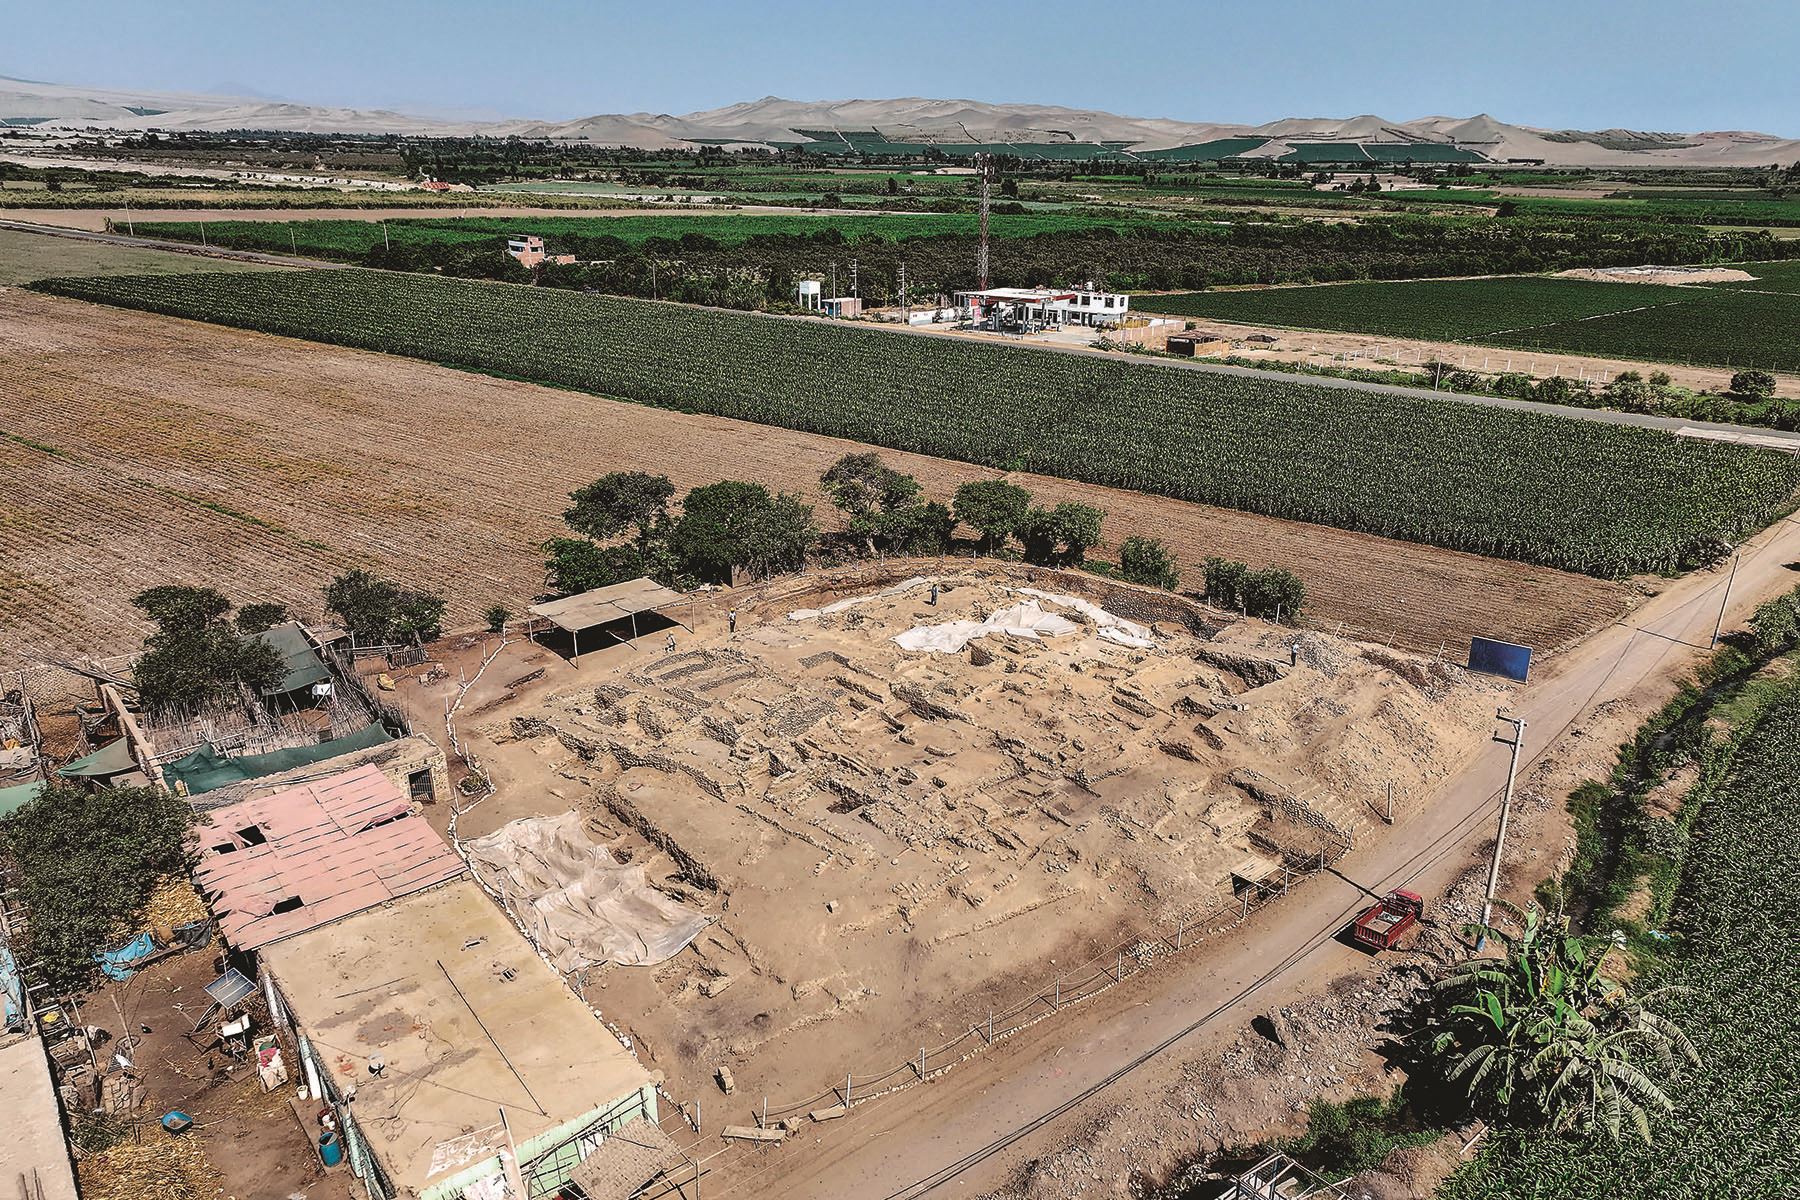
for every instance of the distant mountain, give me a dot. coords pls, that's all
(909, 119)
(26, 102)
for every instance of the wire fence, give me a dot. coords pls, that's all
(1135, 953)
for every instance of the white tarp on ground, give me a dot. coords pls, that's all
(1026, 619)
(1112, 628)
(807, 614)
(580, 905)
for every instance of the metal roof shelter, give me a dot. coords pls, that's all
(300, 858)
(602, 606)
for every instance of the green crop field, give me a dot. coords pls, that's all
(1749, 210)
(1735, 325)
(1737, 971)
(1440, 309)
(1466, 477)
(354, 239)
(1770, 277)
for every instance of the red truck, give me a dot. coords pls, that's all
(1380, 927)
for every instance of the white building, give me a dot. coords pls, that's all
(1043, 308)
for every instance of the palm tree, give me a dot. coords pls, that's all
(1539, 1034)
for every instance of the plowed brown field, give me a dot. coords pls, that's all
(137, 449)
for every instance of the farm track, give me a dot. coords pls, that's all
(192, 452)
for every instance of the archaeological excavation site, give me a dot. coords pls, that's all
(889, 806)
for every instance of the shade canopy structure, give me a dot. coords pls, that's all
(301, 666)
(114, 758)
(602, 606)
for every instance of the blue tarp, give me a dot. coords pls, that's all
(12, 992)
(117, 963)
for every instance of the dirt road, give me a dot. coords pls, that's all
(967, 1131)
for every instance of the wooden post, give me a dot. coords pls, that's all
(1057, 1003)
(1177, 931)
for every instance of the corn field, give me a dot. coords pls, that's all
(1584, 496)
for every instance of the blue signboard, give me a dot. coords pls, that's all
(1499, 658)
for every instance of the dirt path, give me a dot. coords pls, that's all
(1374, 352)
(265, 465)
(968, 1131)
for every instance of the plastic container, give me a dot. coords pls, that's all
(331, 1149)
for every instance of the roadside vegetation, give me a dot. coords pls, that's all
(1422, 470)
(685, 257)
(1731, 973)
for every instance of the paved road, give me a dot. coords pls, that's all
(145, 243)
(1752, 435)
(964, 1132)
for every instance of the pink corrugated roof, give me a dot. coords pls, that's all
(341, 844)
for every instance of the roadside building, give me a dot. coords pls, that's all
(528, 248)
(448, 1054)
(1026, 309)
(1198, 343)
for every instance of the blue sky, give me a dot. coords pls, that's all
(1648, 64)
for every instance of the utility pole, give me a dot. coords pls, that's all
(129, 227)
(1512, 771)
(905, 309)
(984, 164)
(1726, 598)
(385, 244)
(855, 289)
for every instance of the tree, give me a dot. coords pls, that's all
(259, 618)
(1225, 582)
(613, 503)
(731, 525)
(579, 565)
(1753, 385)
(497, 617)
(197, 657)
(994, 508)
(1060, 536)
(1273, 594)
(877, 499)
(86, 862)
(378, 611)
(1148, 561)
(1540, 1035)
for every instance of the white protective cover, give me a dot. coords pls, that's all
(1112, 628)
(1026, 619)
(580, 905)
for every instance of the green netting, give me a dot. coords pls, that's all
(1213, 151)
(207, 770)
(114, 758)
(1389, 152)
(13, 798)
(300, 664)
(1325, 152)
